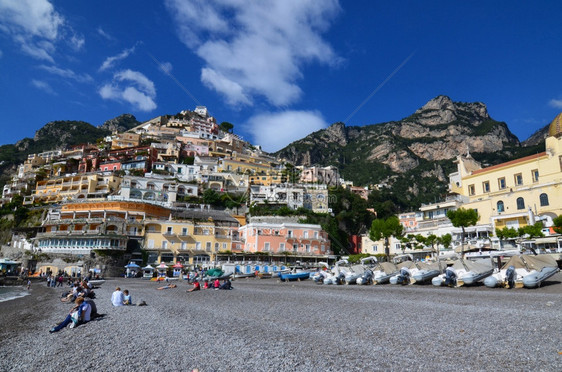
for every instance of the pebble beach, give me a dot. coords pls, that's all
(267, 325)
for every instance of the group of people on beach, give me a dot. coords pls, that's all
(119, 298)
(227, 284)
(83, 311)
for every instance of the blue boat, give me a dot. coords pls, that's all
(294, 276)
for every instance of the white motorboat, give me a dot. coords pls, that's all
(523, 271)
(464, 272)
(383, 272)
(423, 272)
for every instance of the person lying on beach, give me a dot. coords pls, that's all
(196, 287)
(167, 286)
(79, 314)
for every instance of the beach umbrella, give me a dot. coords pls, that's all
(178, 266)
(148, 267)
(162, 266)
(132, 265)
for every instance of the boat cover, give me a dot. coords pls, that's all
(477, 267)
(539, 262)
(388, 267)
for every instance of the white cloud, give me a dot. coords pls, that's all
(110, 61)
(104, 34)
(67, 73)
(256, 48)
(132, 87)
(77, 42)
(275, 130)
(556, 103)
(33, 24)
(44, 86)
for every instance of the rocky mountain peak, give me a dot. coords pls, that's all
(336, 133)
(442, 110)
(121, 123)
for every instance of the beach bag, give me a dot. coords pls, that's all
(74, 318)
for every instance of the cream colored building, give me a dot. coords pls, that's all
(516, 193)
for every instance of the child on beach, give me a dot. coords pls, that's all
(127, 298)
(28, 284)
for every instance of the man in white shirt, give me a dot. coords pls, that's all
(117, 298)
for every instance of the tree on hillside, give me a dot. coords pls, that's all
(227, 127)
(463, 218)
(385, 228)
(531, 231)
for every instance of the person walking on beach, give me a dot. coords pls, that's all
(117, 298)
(28, 284)
(60, 281)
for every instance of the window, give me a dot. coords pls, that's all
(224, 246)
(486, 186)
(375, 248)
(535, 175)
(520, 203)
(198, 246)
(544, 200)
(290, 233)
(164, 244)
(281, 247)
(316, 235)
(266, 246)
(308, 248)
(217, 247)
(305, 234)
(501, 183)
(500, 206)
(169, 230)
(184, 231)
(208, 246)
(518, 178)
(471, 190)
(184, 246)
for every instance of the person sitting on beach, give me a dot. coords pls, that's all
(79, 314)
(167, 286)
(217, 284)
(206, 285)
(196, 286)
(127, 298)
(117, 297)
(226, 285)
(94, 308)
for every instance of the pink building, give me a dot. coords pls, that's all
(110, 166)
(292, 237)
(408, 221)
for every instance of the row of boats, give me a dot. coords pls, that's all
(519, 271)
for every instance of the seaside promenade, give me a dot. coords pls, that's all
(265, 325)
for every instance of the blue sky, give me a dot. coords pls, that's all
(278, 70)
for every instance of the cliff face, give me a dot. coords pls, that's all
(422, 143)
(121, 123)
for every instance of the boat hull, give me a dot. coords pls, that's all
(293, 276)
(534, 280)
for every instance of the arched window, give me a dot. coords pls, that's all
(500, 206)
(520, 203)
(544, 200)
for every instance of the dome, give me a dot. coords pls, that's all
(555, 128)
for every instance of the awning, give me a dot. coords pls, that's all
(545, 240)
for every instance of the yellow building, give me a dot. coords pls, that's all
(194, 237)
(82, 186)
(518, 192)
(274, 178)
(124, 140)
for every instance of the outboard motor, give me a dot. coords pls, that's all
(404, 276)
(450, 277)
(510, 276)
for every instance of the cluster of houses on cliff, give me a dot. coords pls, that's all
(136, 190)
